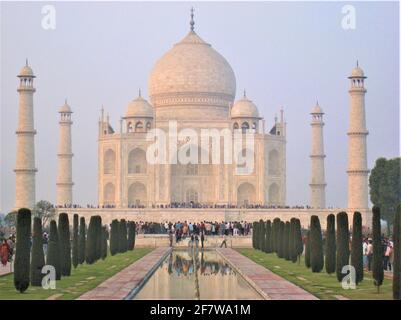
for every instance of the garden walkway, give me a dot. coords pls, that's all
(121, 284)
(266, 282)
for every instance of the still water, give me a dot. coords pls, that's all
(196, 275)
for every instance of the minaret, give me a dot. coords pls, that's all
(357, 156)
(318, 184)
(64, 177)
(25, 170)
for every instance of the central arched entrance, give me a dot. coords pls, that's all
(246, 194)
(137, 195)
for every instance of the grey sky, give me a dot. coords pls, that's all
(284, 54)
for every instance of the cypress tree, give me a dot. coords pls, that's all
(330, 261)
(131, 235)
(65, 244)
(91, 242)
(275, 234)
(397, 255)
(356, 247)
(292, 246)
(257, 236)
(307, 250)
(281, 240)
(298, 239)
(114, 237)
(38, 257)
(342, 257)
(262, 235)
(99, 237)
(286, 252)
(268, 227)
(104, 242)
(123, 236)
(316, 245)
(377, 262)
(22, 250)
(82, 241)
(53, 252)
(75, 241)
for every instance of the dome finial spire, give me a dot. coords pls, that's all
(26, 61)
(139, 91)
(244, 93)
(192, 22)
(357, 63)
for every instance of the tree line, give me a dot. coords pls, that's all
(341, 250)
(87, 244)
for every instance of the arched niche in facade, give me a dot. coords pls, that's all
(273, 162)
(246, 194)
(109, 194)
(274, 194)
(109, 163)
(137, 194)
(137, 163)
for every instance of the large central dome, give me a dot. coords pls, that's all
(193, 74)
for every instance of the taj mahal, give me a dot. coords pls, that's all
(193, 87)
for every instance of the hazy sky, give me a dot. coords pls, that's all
(284, 54)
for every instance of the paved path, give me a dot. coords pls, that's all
(121, 284)
(269, 284)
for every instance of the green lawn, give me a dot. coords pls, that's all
(321, 284)
(84, 278)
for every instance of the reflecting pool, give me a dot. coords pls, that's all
(196, 275)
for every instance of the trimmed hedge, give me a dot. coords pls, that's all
(307, 250)
(114, 237)
(122, 244)
(75, 259)
(53, 252)
(342, 256)
(377, 262)
(268, 227)
(22, 250)
(330, 261)
(298, 239)
(357, 247)
(91, 242)
(38, 257)
(316, 245)
(286, 243)
(82, 241)
(131, 235)
(65, 245)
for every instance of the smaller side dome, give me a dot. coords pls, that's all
(357, 72)
(65, 108)
(139, 108)
(26, 71)
(244, 108)
(317, 109)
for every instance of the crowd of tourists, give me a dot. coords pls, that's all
(186, 229)
(187, 205)
(387, 250)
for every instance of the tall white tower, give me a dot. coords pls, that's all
(318, 184)
(25, 170)
(64, 177)
(357, 158)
